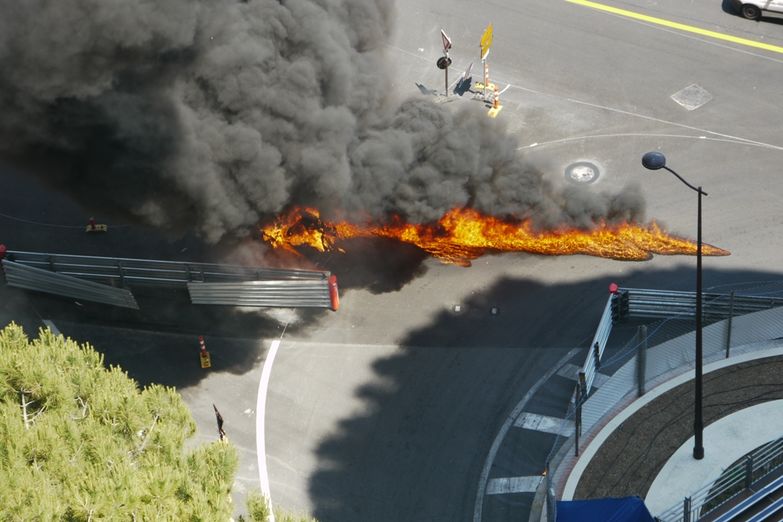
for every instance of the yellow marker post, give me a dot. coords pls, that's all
(206, 362)
(676, 25)
(494, 111)
(484, 44)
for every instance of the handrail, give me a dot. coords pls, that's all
(736, 479)
(751, 501)
(767, 512)
(589, 368)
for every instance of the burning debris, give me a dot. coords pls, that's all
(465, 234)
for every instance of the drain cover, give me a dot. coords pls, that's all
(692, 97)
(582, 172)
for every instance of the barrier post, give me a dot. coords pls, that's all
(206, 361)
(578, 417)
(641, 360)
(597, 356)
(748, 471)
(728, 323)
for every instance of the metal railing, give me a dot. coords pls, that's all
(291, 293)
(668, 303)
(597, 346)
(153, 272)
(104, 280)
(740, 477)
(36, 279)
(660, 348)
(628, 303)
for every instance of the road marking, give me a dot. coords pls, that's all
(505, 485)
(51, 326)
(553, 425)
(263, 387)
(478, 507)
(645, 135)
(676, 25)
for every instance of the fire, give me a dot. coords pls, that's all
(465, 234)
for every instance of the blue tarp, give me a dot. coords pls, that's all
(626, 509)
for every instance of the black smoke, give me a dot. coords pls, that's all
(214, 114)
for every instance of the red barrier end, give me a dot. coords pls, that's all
(3, 250)
(613, 288)
(334, 296)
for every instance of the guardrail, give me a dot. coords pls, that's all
(626, 303)
(153, 272)
(668, 303)
(104, 280)
(738, 478)
(597, 346)
(286, 293)
(36, 279)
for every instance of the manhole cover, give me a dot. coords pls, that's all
(692, 97)
(582, 172)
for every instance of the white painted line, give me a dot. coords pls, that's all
(51, 327)
(263, 387)
(536, 422)
(478, 507)
(505, 485)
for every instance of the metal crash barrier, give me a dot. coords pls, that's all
(106, 280)
(29, 278)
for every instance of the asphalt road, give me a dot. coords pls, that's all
(389, 409)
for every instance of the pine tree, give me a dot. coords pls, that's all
(79, 441)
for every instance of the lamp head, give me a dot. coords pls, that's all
(654, 160)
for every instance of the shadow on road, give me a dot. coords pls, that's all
(159, 342)
(416, 450)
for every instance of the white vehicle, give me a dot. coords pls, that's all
(752, 8)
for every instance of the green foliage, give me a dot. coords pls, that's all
(79, 441)
(257, 507)
(258, 511)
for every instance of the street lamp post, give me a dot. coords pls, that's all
(657, 161)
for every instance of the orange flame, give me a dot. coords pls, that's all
(465, 234)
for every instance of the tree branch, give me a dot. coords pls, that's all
(24, 411)
(138, 450)
(84, 409)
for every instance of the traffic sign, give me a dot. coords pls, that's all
(486, 41)
(446, 40)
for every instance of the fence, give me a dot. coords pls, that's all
(104, 280)
(740, 477)
(122, 271)
(747, 314)
(30, 278)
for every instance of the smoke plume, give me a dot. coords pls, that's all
(216, 114)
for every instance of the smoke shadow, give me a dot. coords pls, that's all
(159, 342)
(416, 447)
(376, 264)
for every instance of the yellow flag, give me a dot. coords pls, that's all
(486, 41)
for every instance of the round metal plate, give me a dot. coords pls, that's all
(582, 172)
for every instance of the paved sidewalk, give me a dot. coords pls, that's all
(648, 453)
